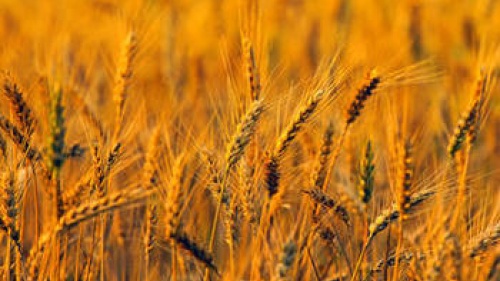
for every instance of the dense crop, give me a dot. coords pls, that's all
(249, 140)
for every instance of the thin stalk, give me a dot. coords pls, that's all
(360, 259)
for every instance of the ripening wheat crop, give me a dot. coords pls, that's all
(315, 140)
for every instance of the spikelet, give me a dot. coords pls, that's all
(382, 221)
(19, 139)
(231, 222)
(215, 177)
(272, 175)
(214, 173)
(183, 240)
(11, 198)
(251, 69)
(418, 73)
(243, 134)
(151, 179)
(367, 90)
(366, 175)
(11, 225)
(392, 214)
(272, 163)
(150, 171)
(102, 168)
(24, 115)
(405, 184)
(113, 157)
(173, 198)
(468, 126)
(98, 171)
(485, 241)
(320, 173)
(124, 76)
(247, 195)
(12, 204)
(102, 172)
(464, 125)
(298, 121)
(405, 256)
(150, 233)
(319, 197)
(480, 94)
(287, 259)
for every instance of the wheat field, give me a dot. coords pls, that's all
(242, 140)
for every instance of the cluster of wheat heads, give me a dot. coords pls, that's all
(249, 140)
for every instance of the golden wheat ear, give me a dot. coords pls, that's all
(319, 175)
(251, 68)
(20, 140)
(485, 241)
(182, 239)
(23, 112)
(323, 199)
(301, 117)
(123, 78)
(365, 91)
(377, 79)
(172, 196)
(11, 197)
(244, 132)
(467, 127)
(405, 256)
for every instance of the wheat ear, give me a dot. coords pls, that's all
(299, 120)
(23, 112)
